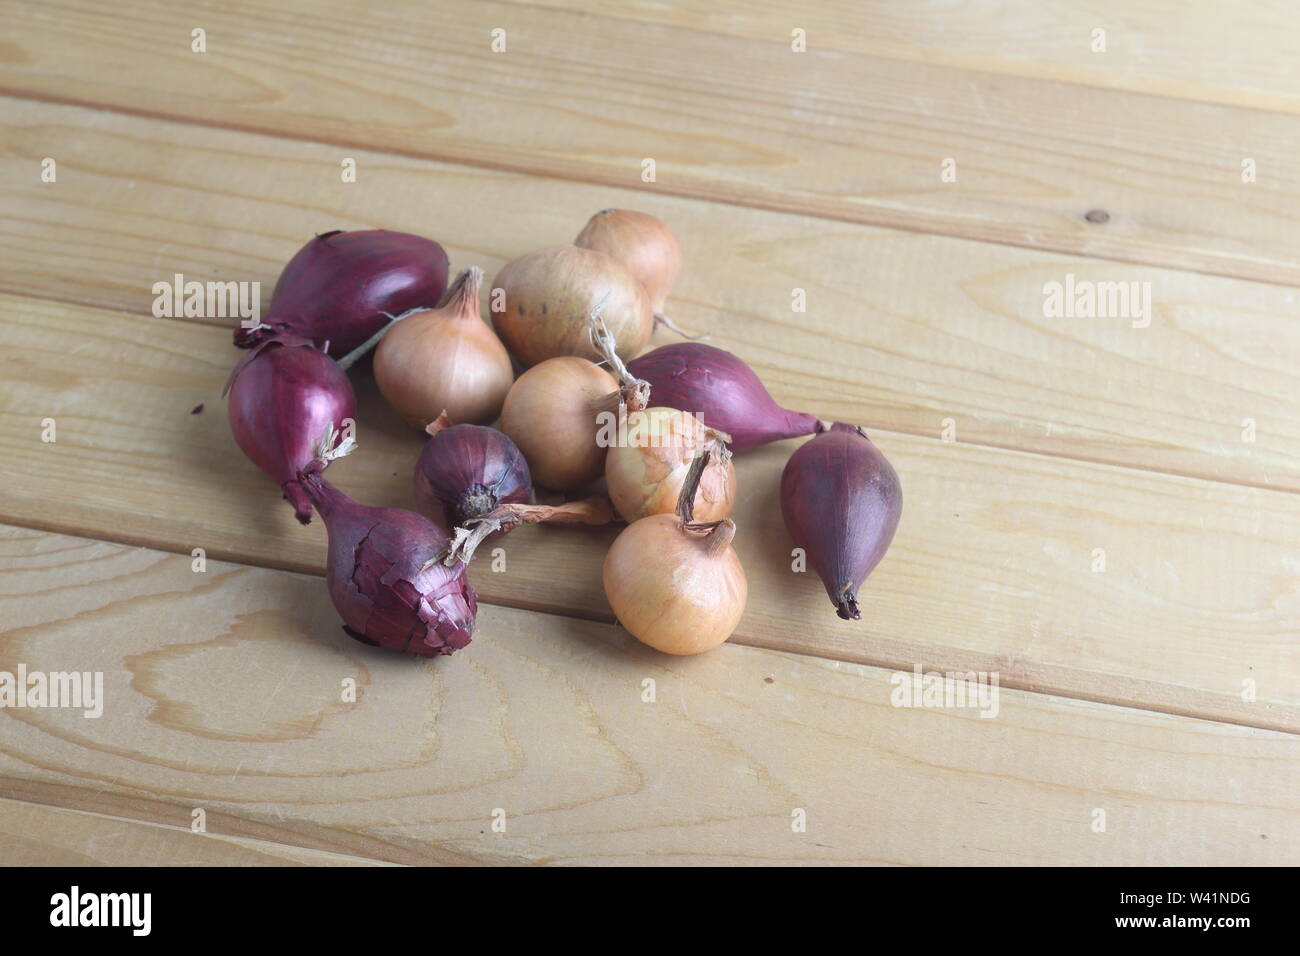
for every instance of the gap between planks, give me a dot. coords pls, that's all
(748, 196)
(968, 61)
(148, 811)
(1127, 693)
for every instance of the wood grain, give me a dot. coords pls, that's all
(856, 137)
(902, 331)
(223, 691)
(1238, 54)
(991, 569)
(35, 835)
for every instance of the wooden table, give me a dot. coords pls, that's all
(1102, 512)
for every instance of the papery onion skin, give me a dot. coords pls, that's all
(842, 501)
(467, 471)
(669, 591)
(645, 479)
(446, 359)
(722, 391)
(338, 287)
(550, 413)
(379, 581)
(550, 294)
(642, 243)
(282, 398)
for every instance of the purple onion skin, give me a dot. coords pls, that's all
(466, 471)
(722, 391)
(376, 581)
(841, 501)
(282, 396)
(338, 286)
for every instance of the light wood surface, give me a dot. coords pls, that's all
(1162, 691)
(35, 835)
(859, 138)
(223, 691)
(1236, 53)
(991, 567)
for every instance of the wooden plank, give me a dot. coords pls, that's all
(847, 136)
(889, 339)
(222, 690)
(1239, 54)
(991, 569)
(35, 835)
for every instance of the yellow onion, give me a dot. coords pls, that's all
(550, 413)
(646, 466)
(545, 299)
(642, 243)
(676, 585)
(445, 359)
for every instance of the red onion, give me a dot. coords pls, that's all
(285, 396)
(722, 391)
(476, 480)
(467, 471)
(841, 500)
(384, 578)
(343, 287)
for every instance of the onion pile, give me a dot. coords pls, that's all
(659, 428)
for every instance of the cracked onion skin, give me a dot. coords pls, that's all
(722, 391)
(337, 288)
(378, 580)
(281, 397)
(841, 501)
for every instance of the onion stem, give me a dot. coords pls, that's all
(661, 319)
(347, 361)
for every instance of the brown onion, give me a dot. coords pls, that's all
(445, 359)
(646, 467)
(550, 294)
(550, 413)
(676, 585)
(643, 244)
